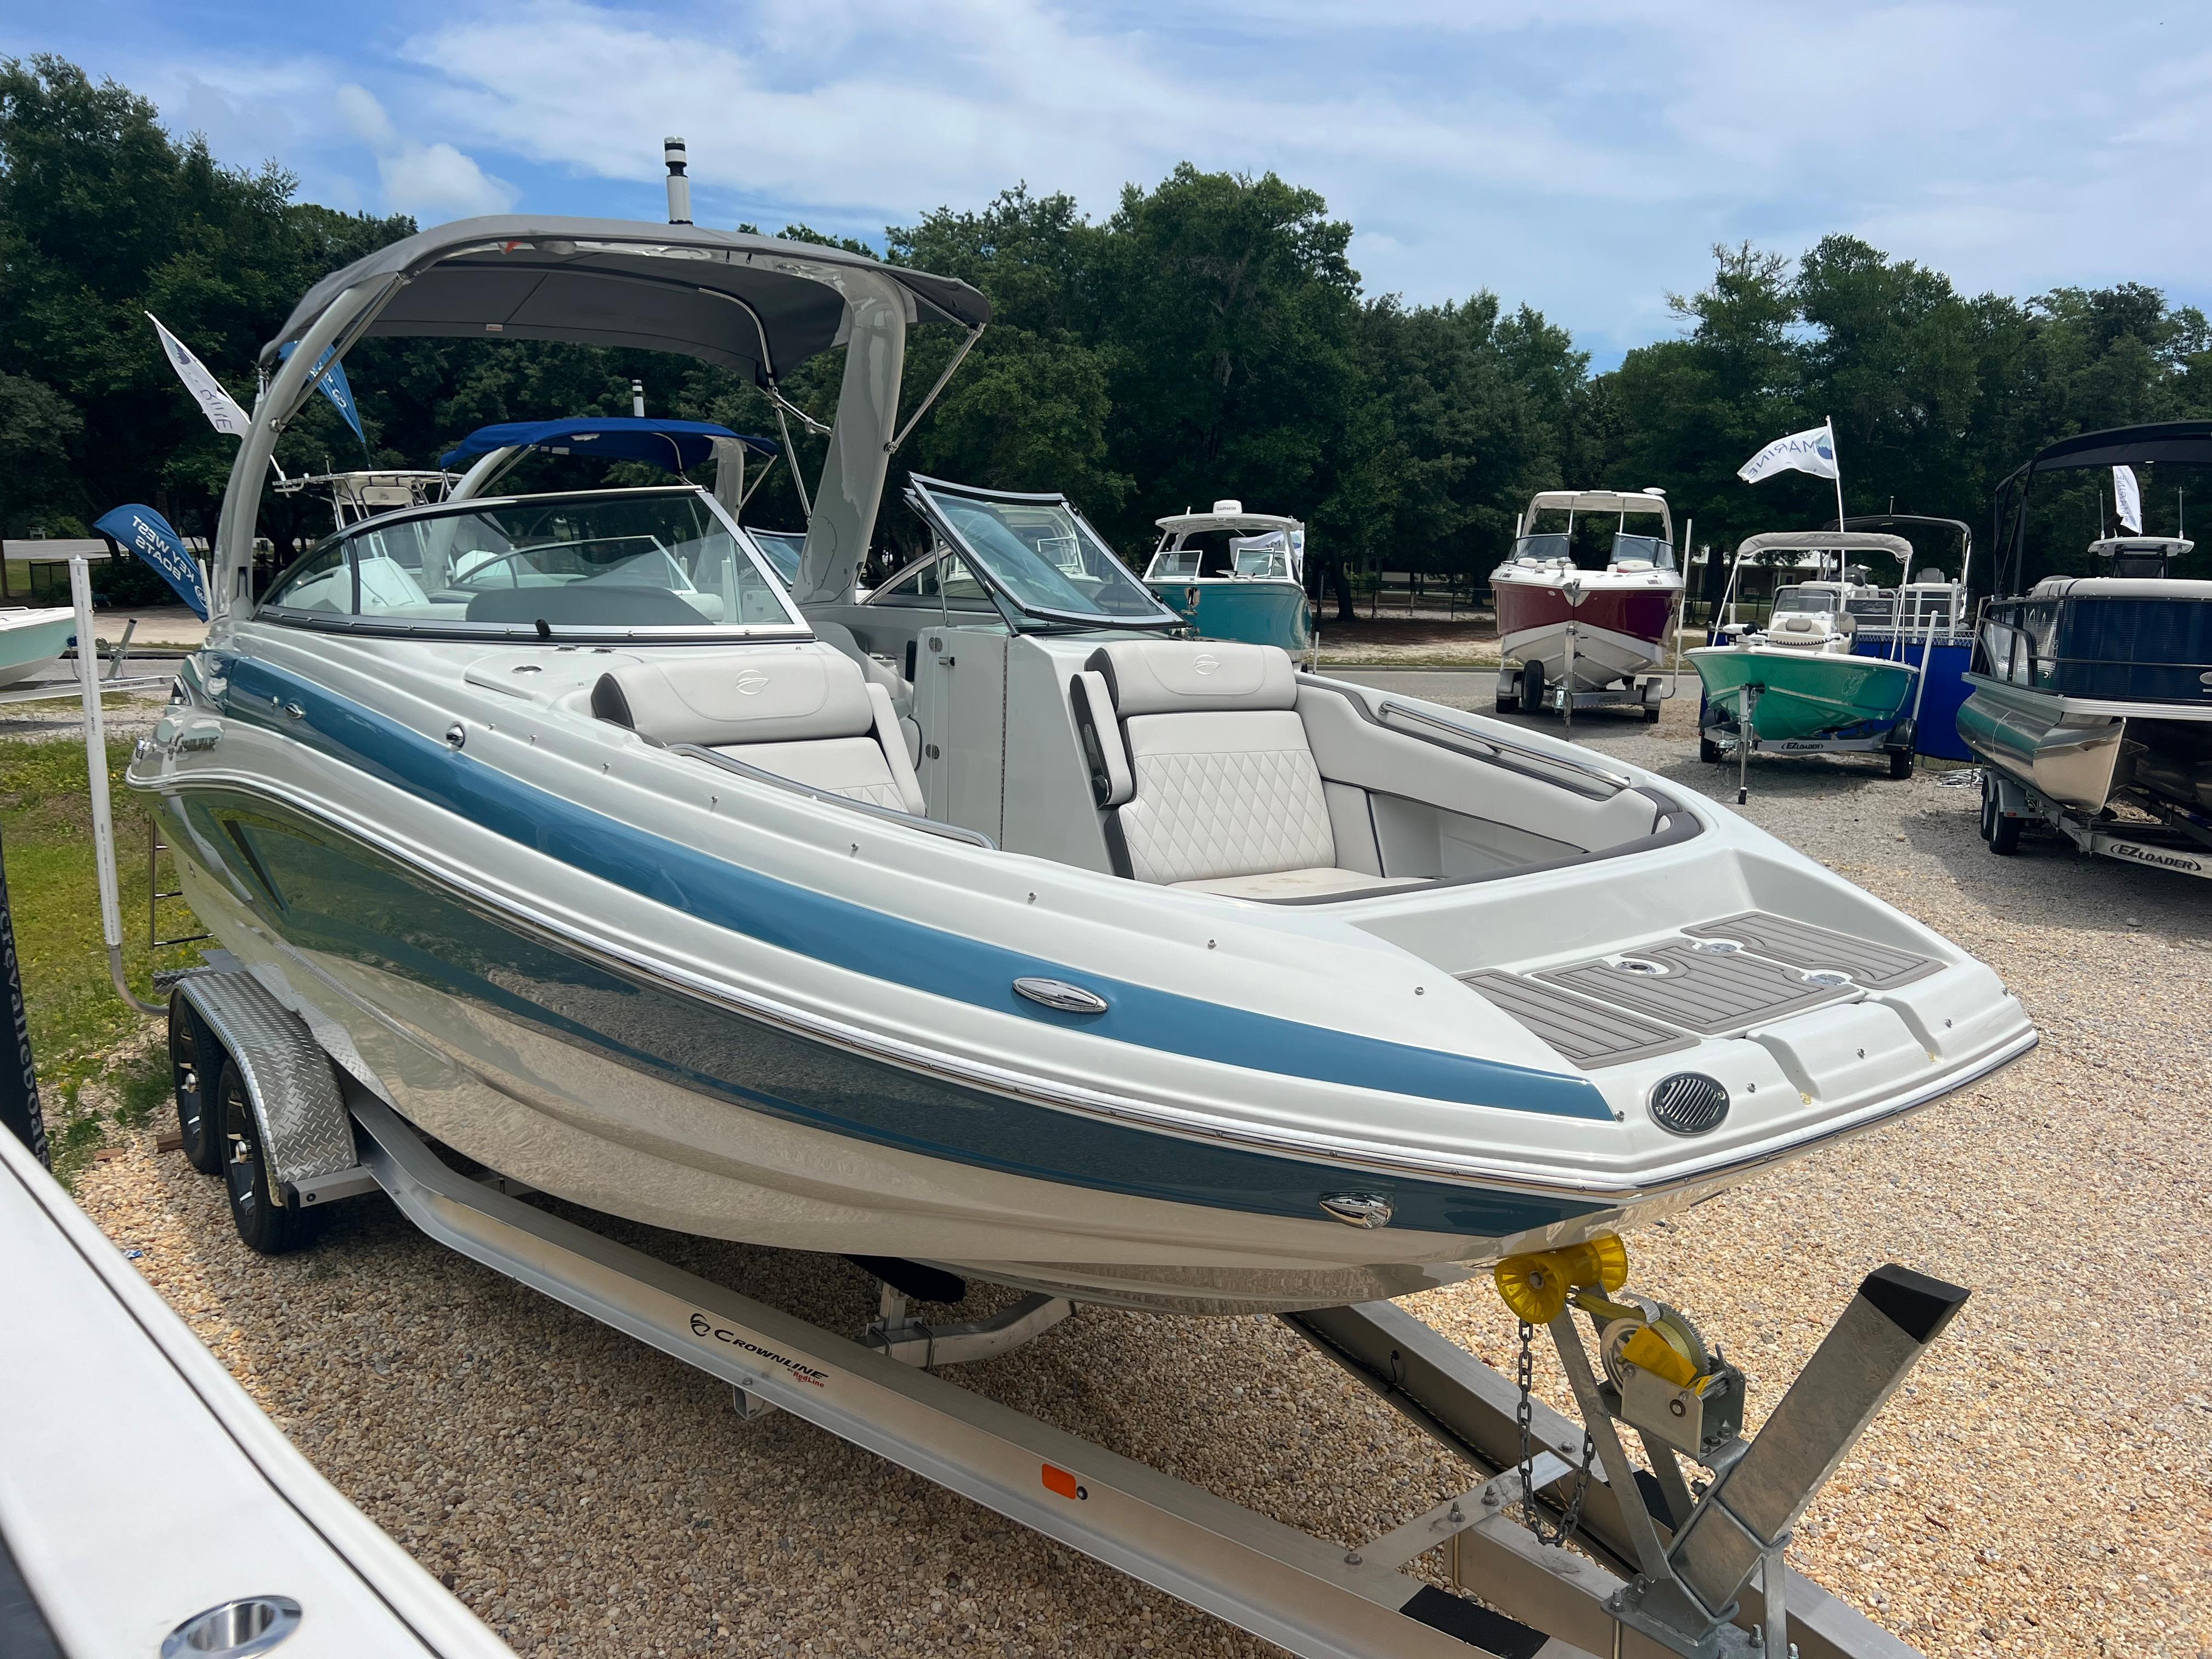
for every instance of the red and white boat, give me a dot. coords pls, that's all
(1619, 612)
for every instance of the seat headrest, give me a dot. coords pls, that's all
(1172, 677)
(779, 695)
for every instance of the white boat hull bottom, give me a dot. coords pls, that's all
(584, 1127)
(1603, 658)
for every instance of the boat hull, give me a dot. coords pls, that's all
(33, 641)
(2072, 756)
(1805, 695)
(596, 1084)
(1255, 612)
(1619, 632)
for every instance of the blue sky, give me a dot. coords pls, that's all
(1581, 155)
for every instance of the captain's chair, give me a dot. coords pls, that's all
(802, 713)
(1200, 764)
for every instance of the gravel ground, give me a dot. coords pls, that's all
(2044, 1486)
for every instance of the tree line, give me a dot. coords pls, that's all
(1209, 337)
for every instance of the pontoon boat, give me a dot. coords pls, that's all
(1061, 951)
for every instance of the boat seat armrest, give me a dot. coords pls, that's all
(892, 738)
(1103, 752)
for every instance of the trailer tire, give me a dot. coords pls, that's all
(1708, 750)
(1532, 687)
(1651, 713)
(189, 1039)
(2002, 833)
(1901, 762)
(264, 1220)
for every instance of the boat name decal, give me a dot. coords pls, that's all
(706, 1328)
(2140, 854)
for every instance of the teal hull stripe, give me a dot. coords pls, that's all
(871, 942)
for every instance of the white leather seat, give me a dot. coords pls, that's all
(803, 713)
(1201, 765)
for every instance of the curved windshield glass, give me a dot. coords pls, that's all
(1807, 600)
(1043, 557)
(603, 562)
(781, 549)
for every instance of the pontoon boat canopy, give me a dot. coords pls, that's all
(678, 445)
(756, 304)
(2186, 442)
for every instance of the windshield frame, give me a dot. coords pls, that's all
(794, 627)
(922, 493)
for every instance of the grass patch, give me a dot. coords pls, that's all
(102, 1066)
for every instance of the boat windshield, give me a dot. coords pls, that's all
(782, 549)
(1039, 556)
(1555, 544)
(597, 563)
(1650, 548)
(1806, 601)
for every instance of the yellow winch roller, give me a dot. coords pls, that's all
(1535, 1285)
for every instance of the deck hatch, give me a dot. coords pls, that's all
(1703, 991)
(1588, 1033)
(1801, 945)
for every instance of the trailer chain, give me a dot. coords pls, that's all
(1523, 1415)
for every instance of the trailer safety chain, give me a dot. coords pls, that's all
(1523, 1412)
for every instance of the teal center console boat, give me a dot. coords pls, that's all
(1235, 575)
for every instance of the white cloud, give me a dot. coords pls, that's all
(1580, 154)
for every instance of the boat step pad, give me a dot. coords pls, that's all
(1779, 938)
(1702, 990)
(1588, 1033)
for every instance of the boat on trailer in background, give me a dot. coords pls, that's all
(1235, 575)
(1596, 637)
(2092, 695)
(1797, 685)
(1930, 622)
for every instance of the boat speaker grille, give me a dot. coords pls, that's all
(1688, 1103)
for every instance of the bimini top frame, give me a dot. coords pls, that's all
(756, 304)
(1619, 503)
(2182, 443)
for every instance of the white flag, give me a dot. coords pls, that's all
(2127, 499)
(219, 406)
(1813, 450)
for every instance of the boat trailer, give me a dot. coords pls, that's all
(2179, 840)
(1658, 1567)
(1721, 739)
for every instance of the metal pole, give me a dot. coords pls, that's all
(1567, 685)
(95, 768)
(1747, 703)
(1830, 423)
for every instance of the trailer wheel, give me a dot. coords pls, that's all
(188, 1039)
(1651, 713)
(2003, 832)
(1901, 762)
(262, 1219)
(1532, 687)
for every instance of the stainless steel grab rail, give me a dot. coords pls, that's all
(1505, 746)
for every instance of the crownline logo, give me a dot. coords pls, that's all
(751, 682)
(1206, 665)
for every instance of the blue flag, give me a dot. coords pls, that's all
(331, 377)
(153, 538)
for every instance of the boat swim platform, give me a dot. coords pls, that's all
(1658, 1570)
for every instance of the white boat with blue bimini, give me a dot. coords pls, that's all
(1076, 957)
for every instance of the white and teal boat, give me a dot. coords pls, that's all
(32, 640)
(1235, 575)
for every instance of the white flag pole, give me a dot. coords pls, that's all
(1830, 423)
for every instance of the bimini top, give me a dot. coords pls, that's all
(1826, 541)
(678, 445)
(756, 304)
(2183, 441)
(1596, 501)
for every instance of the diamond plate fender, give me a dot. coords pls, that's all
(305, 1127)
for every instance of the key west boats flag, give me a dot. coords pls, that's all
(154, 539)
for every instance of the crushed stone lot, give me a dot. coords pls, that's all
(2043, 1486)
